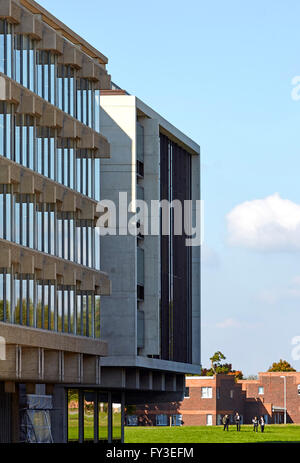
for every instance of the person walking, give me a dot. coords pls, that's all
(262, 423)
(225, 422)
(255, 424)
(237, 420)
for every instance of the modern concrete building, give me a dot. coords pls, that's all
(88, 323)
(154, 308)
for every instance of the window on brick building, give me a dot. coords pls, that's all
(132, 420)
(206, 392)
(186, 392)
(209, 420)
(261, 390)
(161, 420)
(298, 387)
(176, 420)
(231, 393)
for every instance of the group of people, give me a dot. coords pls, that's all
(237, 419)
(258, 422)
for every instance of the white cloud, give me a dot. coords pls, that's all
(265, 224)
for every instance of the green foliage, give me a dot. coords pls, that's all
(282, 365)
(218, 368)
(216, 360)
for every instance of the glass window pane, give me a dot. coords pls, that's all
(117, 417)
(73, 415)
(89, 404)
(103, 418)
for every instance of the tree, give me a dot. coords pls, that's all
(237, 374)
(216, 360)
(217, 367)
(282, 365)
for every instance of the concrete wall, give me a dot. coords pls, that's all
(118, 253)
(119, 114)
(151, 244)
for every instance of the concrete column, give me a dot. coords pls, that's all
(81, 416)
(122, 416)
(96, 418)
(110, 418)
(59, 415)
(15, 415)
(151, 244)
(118, 253)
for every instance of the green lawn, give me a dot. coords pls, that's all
(73, 429)
(211, 434)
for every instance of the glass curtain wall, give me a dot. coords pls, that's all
(40, 71)
(23, 219)
(87, 411)
(43, 304)
(40, 226)
(39, 149)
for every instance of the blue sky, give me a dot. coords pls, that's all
(221, 72)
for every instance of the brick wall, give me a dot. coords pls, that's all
(273, 395)
(245, 399)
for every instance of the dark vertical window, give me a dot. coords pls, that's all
(176, 336)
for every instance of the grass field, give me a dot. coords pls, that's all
(73, 430)
(211, 434)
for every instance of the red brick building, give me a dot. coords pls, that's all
(209, 398)
(266, 396)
